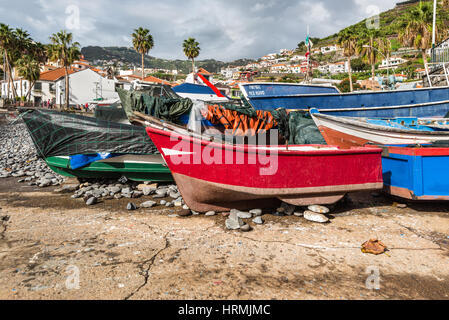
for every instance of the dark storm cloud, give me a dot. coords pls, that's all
(226, 29)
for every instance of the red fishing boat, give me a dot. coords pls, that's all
(215, 175)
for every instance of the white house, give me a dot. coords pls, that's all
(270, 56)
(339, 67)
(298, 58)
(21, 90)
(285, 52)
(295, 68)
(252, 66)
(279, 60)
(324, 69)
(229, 72)
(278, 68)
(329, 49)
(265, 64)
(85, 86)
(44, 89)
(392, 62)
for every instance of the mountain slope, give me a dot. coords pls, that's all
(130, 57)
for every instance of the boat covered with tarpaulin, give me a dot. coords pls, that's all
(85, 147)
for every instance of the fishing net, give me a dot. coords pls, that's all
(245, 107)
(165, 108)
(302, 129)
(61, 134)
(240, 124)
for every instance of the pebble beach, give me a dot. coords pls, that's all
(131, 240)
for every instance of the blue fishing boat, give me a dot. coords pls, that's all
(425, 102)
(198, 86)
(417, 172)
(199, 92)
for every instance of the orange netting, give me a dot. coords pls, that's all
(240, 124)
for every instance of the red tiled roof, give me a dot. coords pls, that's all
(204, 71)
(156, 80)
(53, 75)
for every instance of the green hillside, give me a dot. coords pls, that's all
(390, 22)
(130, 57)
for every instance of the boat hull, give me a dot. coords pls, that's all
(199, 92)
(427, 102)
(134, 167)
(416, 173)
(301, 175)
(347, 133)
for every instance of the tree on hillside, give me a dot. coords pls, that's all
(192, 50)
(143, 43)
(367, 49)
(301, 47)
(359, 65)
(385, 47)
(64, 51)
(445, 4)
(416, 28)
(347, 40)
(346, 84)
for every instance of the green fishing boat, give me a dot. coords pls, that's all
(134, 167)
(71, 146)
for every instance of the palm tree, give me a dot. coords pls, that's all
(22, 49)
(191, 50)
(143, 43)
(347, 41)
(385, 47)
(369, 52)
(7, 45)
(63, 50)
(29, 69)
(29, 65)
(416, 29)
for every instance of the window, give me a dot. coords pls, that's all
(38, 86)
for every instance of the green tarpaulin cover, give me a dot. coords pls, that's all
(113, 113)
(303, 130)
(61, 134)
(169, 109)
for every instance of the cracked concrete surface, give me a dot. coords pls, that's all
(146, 254)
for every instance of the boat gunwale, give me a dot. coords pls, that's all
(283, 151)
(330, 94)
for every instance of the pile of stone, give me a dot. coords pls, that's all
(236, 219)
(18, 158)
(110, 189)
(239, 220)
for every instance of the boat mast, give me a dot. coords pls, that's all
(309, 52)
(434, 23)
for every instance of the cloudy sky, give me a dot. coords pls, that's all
(226, 29)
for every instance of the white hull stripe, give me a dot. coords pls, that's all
(171, 152)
